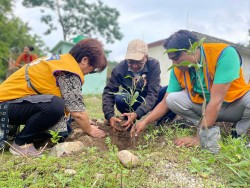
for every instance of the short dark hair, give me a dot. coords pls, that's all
(31, 48)
(180, 39)
(92, 49)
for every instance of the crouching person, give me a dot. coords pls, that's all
(227, 94)
(39, 94)
(140, 72)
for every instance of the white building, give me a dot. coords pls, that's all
(156, 51)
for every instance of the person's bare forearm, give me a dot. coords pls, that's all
(160, 110)
(82, 120)
(211, 114)
(218, 93)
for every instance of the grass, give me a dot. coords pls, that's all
(163, 164)
(93, 105)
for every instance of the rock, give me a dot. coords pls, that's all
(128, 159)
(163, 144)
(70, 172)
(66, 148)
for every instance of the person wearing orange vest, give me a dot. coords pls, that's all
(40, 93)
(227, 94)
(26, 57)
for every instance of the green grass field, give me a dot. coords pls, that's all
(93, 105)
(162, 163)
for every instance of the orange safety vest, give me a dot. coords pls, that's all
(25, 58)
(41, 73)
(212, 54)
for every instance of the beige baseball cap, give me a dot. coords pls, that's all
(136, 50)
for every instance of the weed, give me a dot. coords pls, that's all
(236, 157)
(64, 180)
(151, 136)
(201, 167)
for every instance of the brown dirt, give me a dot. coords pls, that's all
(121, 139)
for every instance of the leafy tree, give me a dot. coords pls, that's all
(78, 17)
(14, 35)
(111, 66)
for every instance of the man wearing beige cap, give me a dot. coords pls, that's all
(146, 71)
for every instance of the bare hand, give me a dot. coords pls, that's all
(96, 133)
(113, 122)
(187, 141)
(131, 118)
(138, 128)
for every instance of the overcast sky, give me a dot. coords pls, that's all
(153, 20)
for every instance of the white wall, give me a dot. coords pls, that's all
(157, 53)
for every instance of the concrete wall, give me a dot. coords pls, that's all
(157, 53)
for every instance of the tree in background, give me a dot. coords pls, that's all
(14, 35)
(111, 66)
(77, 17)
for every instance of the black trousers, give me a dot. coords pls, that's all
(37, 117)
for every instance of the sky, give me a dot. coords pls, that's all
(153, 20)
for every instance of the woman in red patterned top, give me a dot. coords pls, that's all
(26, 57)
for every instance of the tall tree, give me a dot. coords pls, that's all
(14, 35)
(78, 17)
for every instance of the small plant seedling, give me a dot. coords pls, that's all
(55, 137)
(132, 94)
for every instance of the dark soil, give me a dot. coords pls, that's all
(121, 139)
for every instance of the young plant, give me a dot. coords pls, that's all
(55, 137)
(131, 95)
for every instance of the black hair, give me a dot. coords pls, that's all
(31, 48)
(180, 39)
